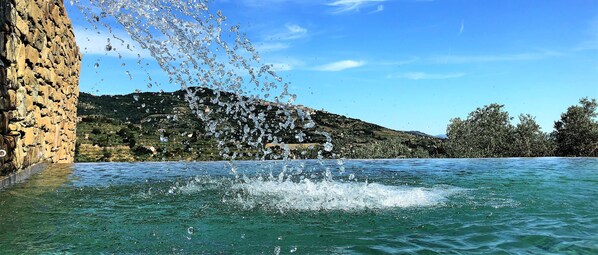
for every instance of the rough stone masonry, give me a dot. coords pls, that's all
(39, 77)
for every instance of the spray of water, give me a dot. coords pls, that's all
(252, 109)
(282, 194)
(196, 47)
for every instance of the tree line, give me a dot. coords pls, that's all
(488, 132)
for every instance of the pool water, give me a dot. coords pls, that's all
(419, 206)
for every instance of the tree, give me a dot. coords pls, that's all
(487, 132)
(576, 133)
(458, 134)
(529, 140)
(127, 136)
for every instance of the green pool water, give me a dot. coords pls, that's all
(452, 206)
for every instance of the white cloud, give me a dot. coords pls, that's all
(291, 32)
(426, 76)
(463, 59)
(285, 64)
(296, 29)
(342, 6)
(378, 9)
(281, 67)
(270, 47)
(92, 43)
(340, 66)
(269, 3)
(462, 27)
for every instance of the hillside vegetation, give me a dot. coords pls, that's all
(161, 127)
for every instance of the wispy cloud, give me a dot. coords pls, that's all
(462, 27)
(340, 65)
(591, 42)
(286, 64)
(92, 43)
(270, 47)
(464, 59)
(378, 9)
(394, 62)
(425, 76)
(281, 67)
(270, 3)
(343, 6)
(291, 32)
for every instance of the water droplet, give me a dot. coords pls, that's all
(328, 146)
(190, 230)
(210, 54)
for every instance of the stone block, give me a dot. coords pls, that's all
(29, 103)
(39, 40)
(13, 45)
(4, 122)
(32, 156)
(29, 80)
(56, 14)
(21, 107)
(43, 90)
(22, 25)
(29, 136)
(35, 12)
(13, 127)
(45, 111)
(30, 119)
(12, 100)
(22, 7)
(32, 54)
(8, 145)
(45, 123)
(49, 27)
(21, 61)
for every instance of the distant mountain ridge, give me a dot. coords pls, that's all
(125, 128)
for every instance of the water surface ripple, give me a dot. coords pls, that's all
(435, 206)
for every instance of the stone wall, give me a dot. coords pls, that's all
(39, 77)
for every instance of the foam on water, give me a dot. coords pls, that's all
(312, 195)
(308, 195)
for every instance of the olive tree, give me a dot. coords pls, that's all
(576, 133)
(529, 140)
(487, 132)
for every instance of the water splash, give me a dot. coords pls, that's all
(308, 195)
(315, 194)
(196, 47)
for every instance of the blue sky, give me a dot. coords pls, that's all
(403, 64)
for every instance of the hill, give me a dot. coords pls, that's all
(160, 126)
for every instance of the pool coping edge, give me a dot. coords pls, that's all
(21, 175)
